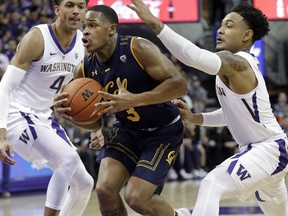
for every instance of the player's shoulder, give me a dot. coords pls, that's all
(33, 37)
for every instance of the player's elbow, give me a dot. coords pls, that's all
(181, 86)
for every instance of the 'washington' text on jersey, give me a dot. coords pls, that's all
(59, 66)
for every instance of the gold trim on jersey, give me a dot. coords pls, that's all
(134, 54)
(152, 165)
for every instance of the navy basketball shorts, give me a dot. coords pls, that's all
(146, 154)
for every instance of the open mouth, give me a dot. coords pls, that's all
(85, 42)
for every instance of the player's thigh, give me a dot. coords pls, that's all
(256, 167)
(159, 151)
(42, 143)
(275, 191)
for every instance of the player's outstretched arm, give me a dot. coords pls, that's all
(145, 14)
(11, 79)
(183, 49)
(209, 119)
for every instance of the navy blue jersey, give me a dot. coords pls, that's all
(134, 78)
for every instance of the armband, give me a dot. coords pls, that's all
(214, 119)
(11, 79)
(188, 53)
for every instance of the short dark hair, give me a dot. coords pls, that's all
(108, 12)
(58, 2)
(254, 18)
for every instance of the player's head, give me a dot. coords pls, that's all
(70, 13)
(241, 28)
(58, 2)
(100, 28)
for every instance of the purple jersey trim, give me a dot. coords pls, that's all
(60, 131)
(283, 158)
(234, 162)
(257, 195)
(58, 44)
(30, 123)
(254, 114)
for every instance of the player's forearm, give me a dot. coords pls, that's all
(156, 25)
(9, 82)
(167, 91)
(214, 119)
(188, 53)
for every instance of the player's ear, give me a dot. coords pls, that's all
(113, 29)
(56, 10)
(248, 35)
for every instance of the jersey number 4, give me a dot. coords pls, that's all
(57, 84)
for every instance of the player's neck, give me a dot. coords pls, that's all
(64, 36)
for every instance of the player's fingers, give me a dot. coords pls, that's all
(69, 118)
(109, 110)
(95, 145)
(60, 96)
(11, 150)
(62, 88)
(5, 158)
(178, 103)
(62, 110)
(106, 95)
(132, 7)
(119, 84)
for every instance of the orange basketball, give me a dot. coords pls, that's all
(82, 96)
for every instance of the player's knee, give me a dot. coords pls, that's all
(105, 192)
(87, 182)
(71, 160)
(210, 185)
(136, 202)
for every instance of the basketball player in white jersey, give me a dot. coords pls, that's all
(261, 165)
(44, 61)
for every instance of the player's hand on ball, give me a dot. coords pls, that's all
(115, 103)
(97, 140)
(59, 101)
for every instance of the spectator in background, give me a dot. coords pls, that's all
(15, 21)
(196, 91)
(280, 109)
(10, 52)
(4, 60)
(3, 19)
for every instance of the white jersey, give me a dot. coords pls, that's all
(249, 117)
(45, 77)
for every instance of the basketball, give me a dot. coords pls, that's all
(82, 96)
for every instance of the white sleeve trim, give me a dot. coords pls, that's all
(214, 119)
(11, 79)
(188, 53)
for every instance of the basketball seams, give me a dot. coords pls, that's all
(87, 104)
(82, 95)
(74, 92)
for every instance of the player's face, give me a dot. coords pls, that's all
(71, 13)
(232, 35)
(97, 32)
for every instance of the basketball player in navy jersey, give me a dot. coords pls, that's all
(44, 61)
(261, 166)
(148, 132)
